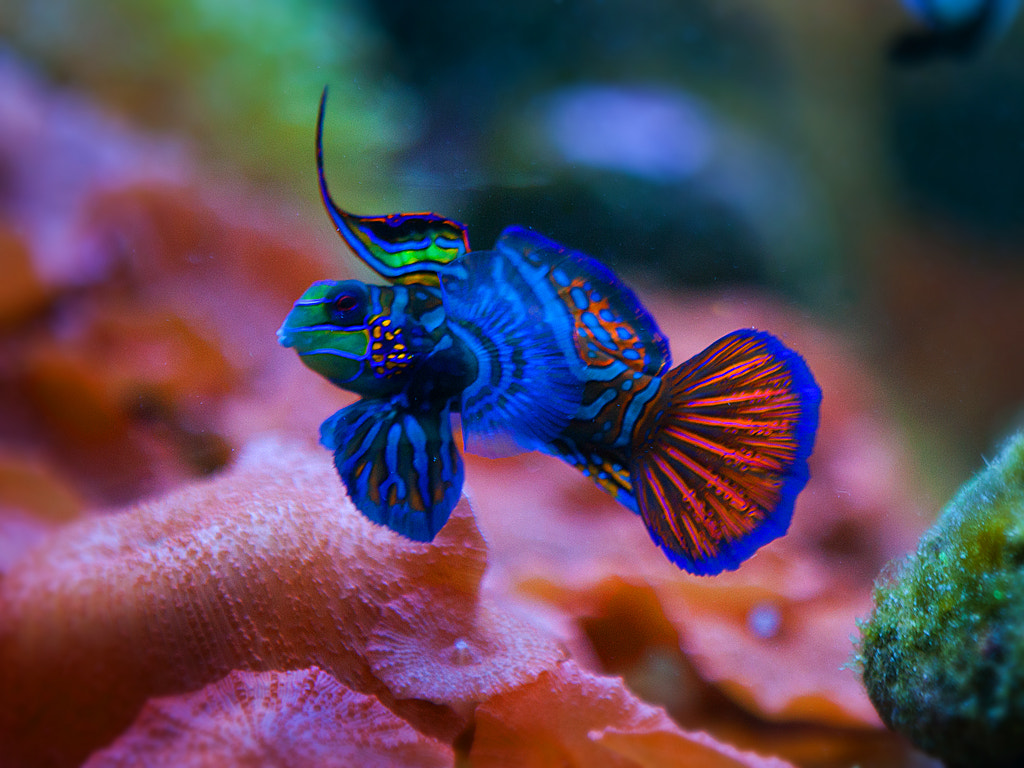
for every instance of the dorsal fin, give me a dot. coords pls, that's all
(403, 247)
(609, 322)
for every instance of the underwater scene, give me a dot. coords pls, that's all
(540, 384)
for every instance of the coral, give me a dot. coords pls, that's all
(942, 654)
(22, 292)
(571, 717)
(30, 486)
(33, 501)
(212, 604)
(136, 302)
(267, 567)
(286, 719)
(461, 652)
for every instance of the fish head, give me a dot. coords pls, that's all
(330, 329)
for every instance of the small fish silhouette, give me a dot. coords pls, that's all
(952, 28)
(540, 347)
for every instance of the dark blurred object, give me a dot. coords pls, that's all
(621, 130)
(953, 336)
(472, 58)
(653, 232)
(953, 28)
(956, 146)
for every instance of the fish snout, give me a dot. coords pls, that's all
(285, 337)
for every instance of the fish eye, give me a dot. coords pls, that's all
(347, 309)
(346, 302)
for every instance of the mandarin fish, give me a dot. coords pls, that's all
(952, 28)
(538, 347)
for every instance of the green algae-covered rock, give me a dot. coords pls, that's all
(942, 655)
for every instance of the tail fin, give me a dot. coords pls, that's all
(721, 453)
(401, 467)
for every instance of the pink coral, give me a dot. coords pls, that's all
(435, 656)
(268, 567)
(285, 719)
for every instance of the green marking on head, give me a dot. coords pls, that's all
(328, 328)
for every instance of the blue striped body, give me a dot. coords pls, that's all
(538, 347)
(616, 350)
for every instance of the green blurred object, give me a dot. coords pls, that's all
(241, 80)
(942, 655)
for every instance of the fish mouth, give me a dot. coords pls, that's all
(285, 337)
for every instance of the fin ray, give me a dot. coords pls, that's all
(722, 451)
(401, 468)
(403, 247)
(526, 389)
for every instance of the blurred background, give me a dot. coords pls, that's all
(690, 144)
(737, 161)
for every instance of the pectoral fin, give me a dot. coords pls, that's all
(399, 463)
(526, 389)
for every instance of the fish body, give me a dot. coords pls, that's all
(540, 347)
(953, 28)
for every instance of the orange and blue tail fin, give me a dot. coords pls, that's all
(721, 453)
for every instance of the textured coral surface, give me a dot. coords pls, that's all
(269, 568)
(286, 719)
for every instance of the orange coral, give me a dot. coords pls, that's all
(269, 567)
(287, 719)
(22, 291)
(33, 500)
(571, 717)
(137, 301)
(779, 654)
(31, 486)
